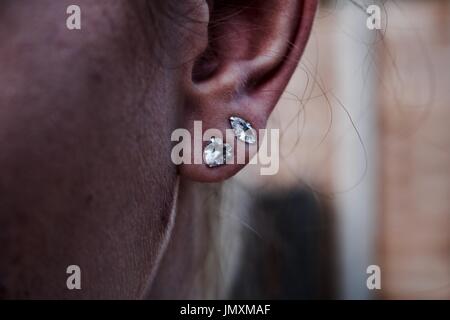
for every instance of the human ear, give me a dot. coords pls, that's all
(247, 52)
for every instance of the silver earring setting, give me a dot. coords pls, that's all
(243, 130)
(218, 153)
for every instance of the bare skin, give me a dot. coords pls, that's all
(85, 121)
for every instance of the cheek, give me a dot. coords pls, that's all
(85, 170)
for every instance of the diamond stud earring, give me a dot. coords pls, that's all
(243, 130)
(217, 153)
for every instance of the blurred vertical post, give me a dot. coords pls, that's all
(355, 172)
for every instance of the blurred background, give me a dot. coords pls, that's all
(364, 173)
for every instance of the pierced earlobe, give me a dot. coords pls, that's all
(217, 153)
(243, 130)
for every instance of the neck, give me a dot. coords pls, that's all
(185, 268)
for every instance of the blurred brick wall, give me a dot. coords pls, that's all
(415, 151)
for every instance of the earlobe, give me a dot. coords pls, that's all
(252, 51)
